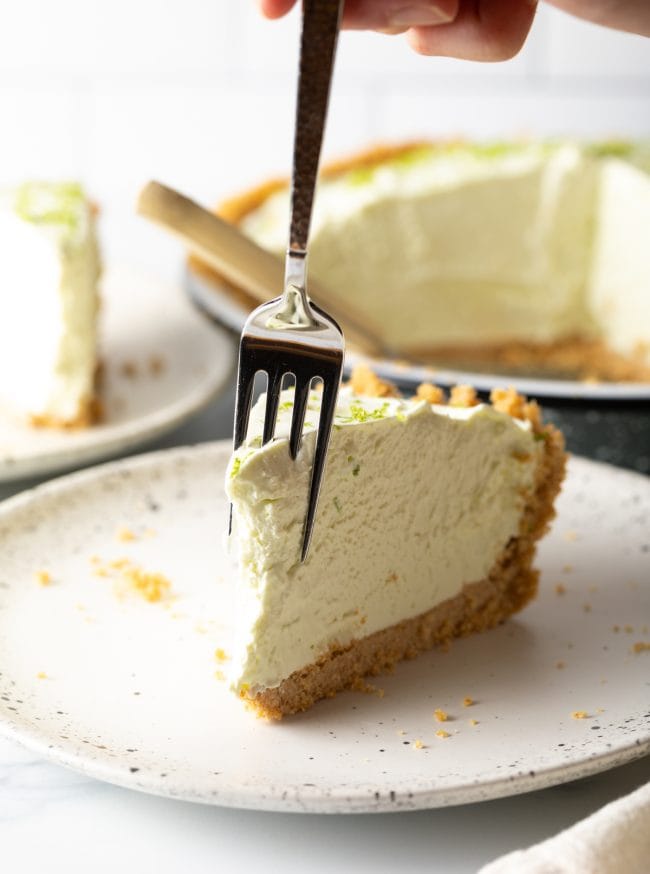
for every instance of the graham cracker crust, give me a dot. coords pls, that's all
(89, 413)
(589, 360)
(481, 605)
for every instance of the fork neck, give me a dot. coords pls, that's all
(296, 310)
(295, 270)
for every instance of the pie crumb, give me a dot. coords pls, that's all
(365, 381)
(440, 715)
(467, 701)
(156, 365)
(641, 646)
(580, 714)
(152, 586)
(41, 675)
(418, 745)
(43, 578)
(463, 396)
(129, 370)
(430, 393)
(507, 400)
(442, 734)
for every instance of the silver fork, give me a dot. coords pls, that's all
(291, 335)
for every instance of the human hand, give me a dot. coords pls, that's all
(480, 30)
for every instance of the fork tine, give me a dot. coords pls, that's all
(244, 396)
(272, 403)
(243, 401)
(327, 410)
(301, 397)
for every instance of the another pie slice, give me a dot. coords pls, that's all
(426, 530)
(49, 268)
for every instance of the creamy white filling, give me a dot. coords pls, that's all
(417, 501)
(463, 249)
(48, 308)
(620, 282)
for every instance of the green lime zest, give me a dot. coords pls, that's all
(359, 414)
(610, 149)
(50, 203)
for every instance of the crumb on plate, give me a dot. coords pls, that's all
(125, 534)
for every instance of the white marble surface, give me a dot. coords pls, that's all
(55, 820)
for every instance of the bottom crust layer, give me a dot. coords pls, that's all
(569, 358)
(89, 413)
(510, 585)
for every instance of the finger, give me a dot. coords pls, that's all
(390, 14)
(633, 16)
(392, 31)
(484, 30)
(275, 8)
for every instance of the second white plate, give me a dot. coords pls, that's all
(96, 678)
(161, 362)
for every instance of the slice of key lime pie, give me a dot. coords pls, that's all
(49, 268)
(426, 530)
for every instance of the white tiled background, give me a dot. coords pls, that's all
(199, 93)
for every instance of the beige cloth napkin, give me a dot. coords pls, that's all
(614, 840)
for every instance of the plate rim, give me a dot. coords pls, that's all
(358, 798)
(209, 297)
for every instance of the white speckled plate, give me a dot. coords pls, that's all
(161, 362)
(130, 693)
(216, 300)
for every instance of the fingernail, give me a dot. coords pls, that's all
(411, 16)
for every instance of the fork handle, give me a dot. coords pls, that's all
(320, 28)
